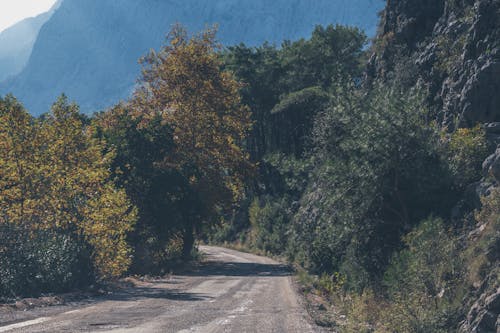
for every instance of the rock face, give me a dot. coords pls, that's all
(491, 166)
(89, 49)
(451, 50)
(449, 47)
(484, 315)
(483, 312)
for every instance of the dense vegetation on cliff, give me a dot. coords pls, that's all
(363, 186)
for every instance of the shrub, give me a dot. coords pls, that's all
(43, 261)
(364, 311)
(484, 251)
(269, 220)
(330, 284)
(378, 171)
(222, 232)
(466, 150)
(424, 282)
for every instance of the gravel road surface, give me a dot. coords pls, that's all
(230, 292)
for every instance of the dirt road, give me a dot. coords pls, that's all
(230, 292)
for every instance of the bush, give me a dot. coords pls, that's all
(483, 254)
(222, 232)
(424, 282)
(466, 149)
(32, 263)
(329, 284)
(364, 311)
(269, 220)
(378, 171)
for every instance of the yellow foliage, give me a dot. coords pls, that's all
(55, 175)
(466, 149)
(184, 84)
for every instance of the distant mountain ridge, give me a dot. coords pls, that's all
(89, 49)
(16, 43)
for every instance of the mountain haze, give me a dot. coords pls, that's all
(16, 43)
(89, 49)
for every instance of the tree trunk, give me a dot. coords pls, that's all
(188, 240)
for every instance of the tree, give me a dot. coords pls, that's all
(379, 171)
(293, 79)
(183, 84)
(162, 195)
(19, 141)
(55, 176)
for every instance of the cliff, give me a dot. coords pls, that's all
(451, 48)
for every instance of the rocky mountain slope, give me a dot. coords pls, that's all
(483, 307)
(89, 49)
(451, 48)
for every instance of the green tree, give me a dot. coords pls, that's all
(162, 195)
(379, 172)
(299, 72)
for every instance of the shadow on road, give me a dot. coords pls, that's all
(218, 268)
(138, 293)
(210, 268)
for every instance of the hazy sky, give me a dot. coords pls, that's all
(12, 11)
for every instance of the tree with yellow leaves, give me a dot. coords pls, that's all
(185, 85)
(54, 175)
(18, 162)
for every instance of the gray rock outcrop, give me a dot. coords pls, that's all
(451, 48)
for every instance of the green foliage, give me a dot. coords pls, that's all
(330, 284)
(162, 195)
(364, 310)
(451, 47)
(313, 97)
(482, 255)
(378, 172)
(286, 87)
(426, 262)
(424, 281)
(293, 119)
(466, 149)
(331, 51)
(290, 175)
(269, 220)
(422, 289)
(449, 52)
(224, 232)
(42, 261)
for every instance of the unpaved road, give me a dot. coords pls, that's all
(230, 292)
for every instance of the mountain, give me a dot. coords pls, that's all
(89, 49)
(16, 43)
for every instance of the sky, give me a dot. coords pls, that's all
(13, 11)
